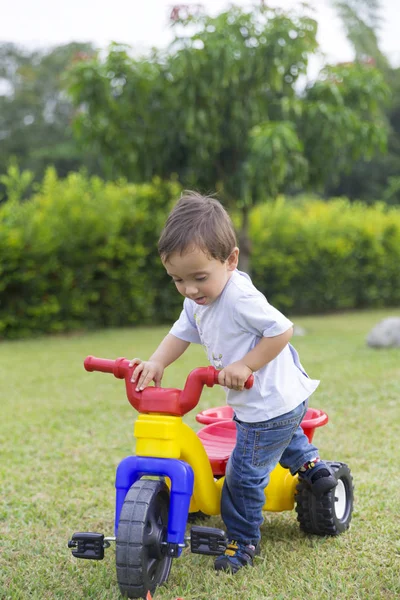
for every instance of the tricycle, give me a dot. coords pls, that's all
(177, 474)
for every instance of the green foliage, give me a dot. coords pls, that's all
(392, 192)
(83, 253)
(361, 19)
(35, 111)
(343, 120)
(127, 119)
(275, 158)
(193, 109)
(237, 75)
(221, 108)
(15, 182)
(319, 256)
(376, 178)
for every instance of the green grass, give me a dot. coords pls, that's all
(63, 431)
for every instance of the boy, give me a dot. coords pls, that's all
(242, 334)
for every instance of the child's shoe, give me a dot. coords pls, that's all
(318, 476)
(236, 556)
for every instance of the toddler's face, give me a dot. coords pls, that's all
(199, 277)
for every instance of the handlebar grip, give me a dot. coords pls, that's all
(91, 363)
(249, 381)
(117, 367)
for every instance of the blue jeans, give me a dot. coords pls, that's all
(259, 448)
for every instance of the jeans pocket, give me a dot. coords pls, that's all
(269, 444)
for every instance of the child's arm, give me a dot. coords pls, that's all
(167, 352)
(235, 375)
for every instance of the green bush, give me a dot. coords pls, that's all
(313, 256)
(83, 253)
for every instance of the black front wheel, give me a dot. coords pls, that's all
(331, 513)
(141, 562)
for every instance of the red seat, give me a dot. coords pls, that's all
(219, 437)
(213, 415)
(312, 419)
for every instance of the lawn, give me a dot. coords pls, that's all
(63, 431)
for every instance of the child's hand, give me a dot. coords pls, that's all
(234, 376)
(146, 371)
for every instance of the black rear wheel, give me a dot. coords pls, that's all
(141, 562)
(331, 513)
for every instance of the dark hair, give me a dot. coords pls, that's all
(201, 221)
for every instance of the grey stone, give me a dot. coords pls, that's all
(297, 330)
(386, 334)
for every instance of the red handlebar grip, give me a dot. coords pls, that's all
(117, 367)
(104, 365)
(249, 381)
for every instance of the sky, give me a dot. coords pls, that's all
(144, 23)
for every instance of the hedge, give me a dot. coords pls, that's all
(314, 256)
(82, 253)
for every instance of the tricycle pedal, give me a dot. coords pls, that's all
(88, 545)
(207, 540)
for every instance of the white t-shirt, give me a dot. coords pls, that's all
(228, 329)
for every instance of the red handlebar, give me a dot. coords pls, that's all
(155, 399)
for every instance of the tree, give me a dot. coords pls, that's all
(221, 108)
(377, 179)
(343, 119)
(361, 20)
(35, 111)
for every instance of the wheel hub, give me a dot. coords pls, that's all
(340, 499)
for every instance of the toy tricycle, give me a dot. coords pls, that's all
(177, 473)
